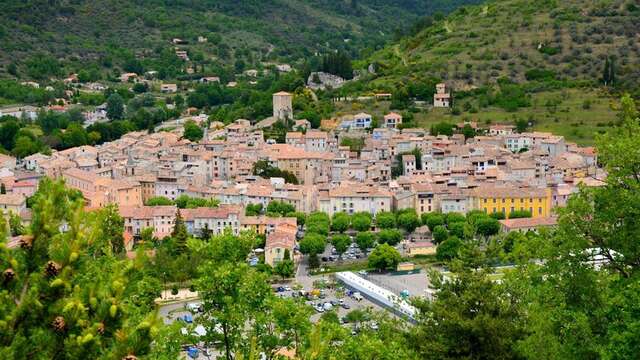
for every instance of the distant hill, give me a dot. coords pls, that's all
(106, 33)
(567, 42)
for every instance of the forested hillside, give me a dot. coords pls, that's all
(521, 40)
(108, 33)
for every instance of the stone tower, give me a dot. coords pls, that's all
(283, 105)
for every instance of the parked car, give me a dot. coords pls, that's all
(363, 273)
(327, 306)
(280, 289)
(357, 296)
(195, 307)
(345, 306)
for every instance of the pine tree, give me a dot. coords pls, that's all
(60, 301)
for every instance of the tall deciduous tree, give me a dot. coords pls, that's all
(115, 107)
(112, 227)
(384, 257)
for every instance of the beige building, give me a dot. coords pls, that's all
(392, 120)
(283, 105)
(353, 198)
(99, 191)
(528, 224)
(12, 204)
(160, 218)
(421, 248)
(277, 244)
(442, 97)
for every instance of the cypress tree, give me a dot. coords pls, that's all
(606, 72)
(612, 72)
(179, 234)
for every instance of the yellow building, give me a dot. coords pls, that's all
(509, 199)
(421, 248)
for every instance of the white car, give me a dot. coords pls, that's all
(194, 307)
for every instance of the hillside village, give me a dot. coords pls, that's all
(326, 180)
(496, 171)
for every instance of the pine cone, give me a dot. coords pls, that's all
(8, 275)
(101, 328)
(130, 357)
(26, 241)
(52, 268)
(59, 324)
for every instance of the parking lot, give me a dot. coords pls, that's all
(414, 284)
(337, 300)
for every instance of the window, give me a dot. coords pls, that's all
(540, 211)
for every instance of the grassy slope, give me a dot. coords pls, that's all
(482, 43)
(568, 117)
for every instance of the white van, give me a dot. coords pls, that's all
(357, 296)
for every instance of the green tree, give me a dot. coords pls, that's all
(192, 131)
(458, 229)
(146, 236)
(312, 244)
(61, 301)
(518, 214)
(468, 131)
(386, 220)
(365, 240)
(179, 234)
(488, 226)
(112, 227)
(115, 107)
(25, 146)
(340, 222)
(448, 249)
(440, 234)
(453, 217)
(233, 294)
(319, 223)
(361, 221)
(341, 242)
(390, 236)
(432, 220)
(521, 125)
(280, 207)
(300, 217)
(470, 318)
(409, 221)
(384, 257)
(15, 224)
(159, 201)
(293, 322)
(253, 209)
(284, 268)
